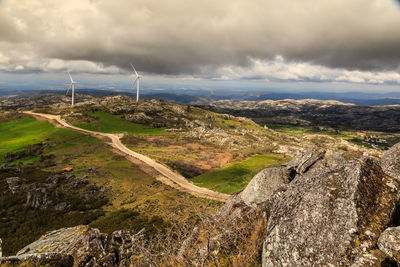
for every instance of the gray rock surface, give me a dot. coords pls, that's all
(330, 214)
(262, 186)
(391, 161)
(39, 196)
(389, 242)
(86, 246)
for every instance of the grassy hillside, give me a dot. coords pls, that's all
(235, 177)
(107, 123)
(133, 194)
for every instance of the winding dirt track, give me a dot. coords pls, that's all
(164, 174)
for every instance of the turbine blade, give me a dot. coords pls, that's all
(70, 77)
(134, 69)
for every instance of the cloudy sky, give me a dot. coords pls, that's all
(321, 42)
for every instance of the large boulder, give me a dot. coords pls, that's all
(330, 214)
(391, 161)
(263, 185)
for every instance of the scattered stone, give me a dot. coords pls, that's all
(55, 179)
(92, 170)
(14, 184)
(63, 206)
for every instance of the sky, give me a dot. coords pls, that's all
(320, 44)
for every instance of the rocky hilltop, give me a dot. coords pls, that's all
(310, 112)
(320, 209)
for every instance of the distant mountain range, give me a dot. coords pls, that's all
(202, 97)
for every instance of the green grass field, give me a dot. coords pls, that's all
(235, 177)
(16, 134)
(108, 123)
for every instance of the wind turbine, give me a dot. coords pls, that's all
(137, 81)
(72, 88)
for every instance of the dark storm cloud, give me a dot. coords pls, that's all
(199, 37)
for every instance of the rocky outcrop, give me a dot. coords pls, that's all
(391, 161)
(139, 117)
(330, 214)
(40, 196)
(79, 246)
(56, 192)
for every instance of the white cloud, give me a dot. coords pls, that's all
(282, 70)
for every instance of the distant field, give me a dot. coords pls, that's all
(108, 123)
(235, 177)
(345, 134)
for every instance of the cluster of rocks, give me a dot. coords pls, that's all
(54, 194)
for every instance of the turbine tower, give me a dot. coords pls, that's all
(72, 88)
(137, 81)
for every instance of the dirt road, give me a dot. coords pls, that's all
(165, 174)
